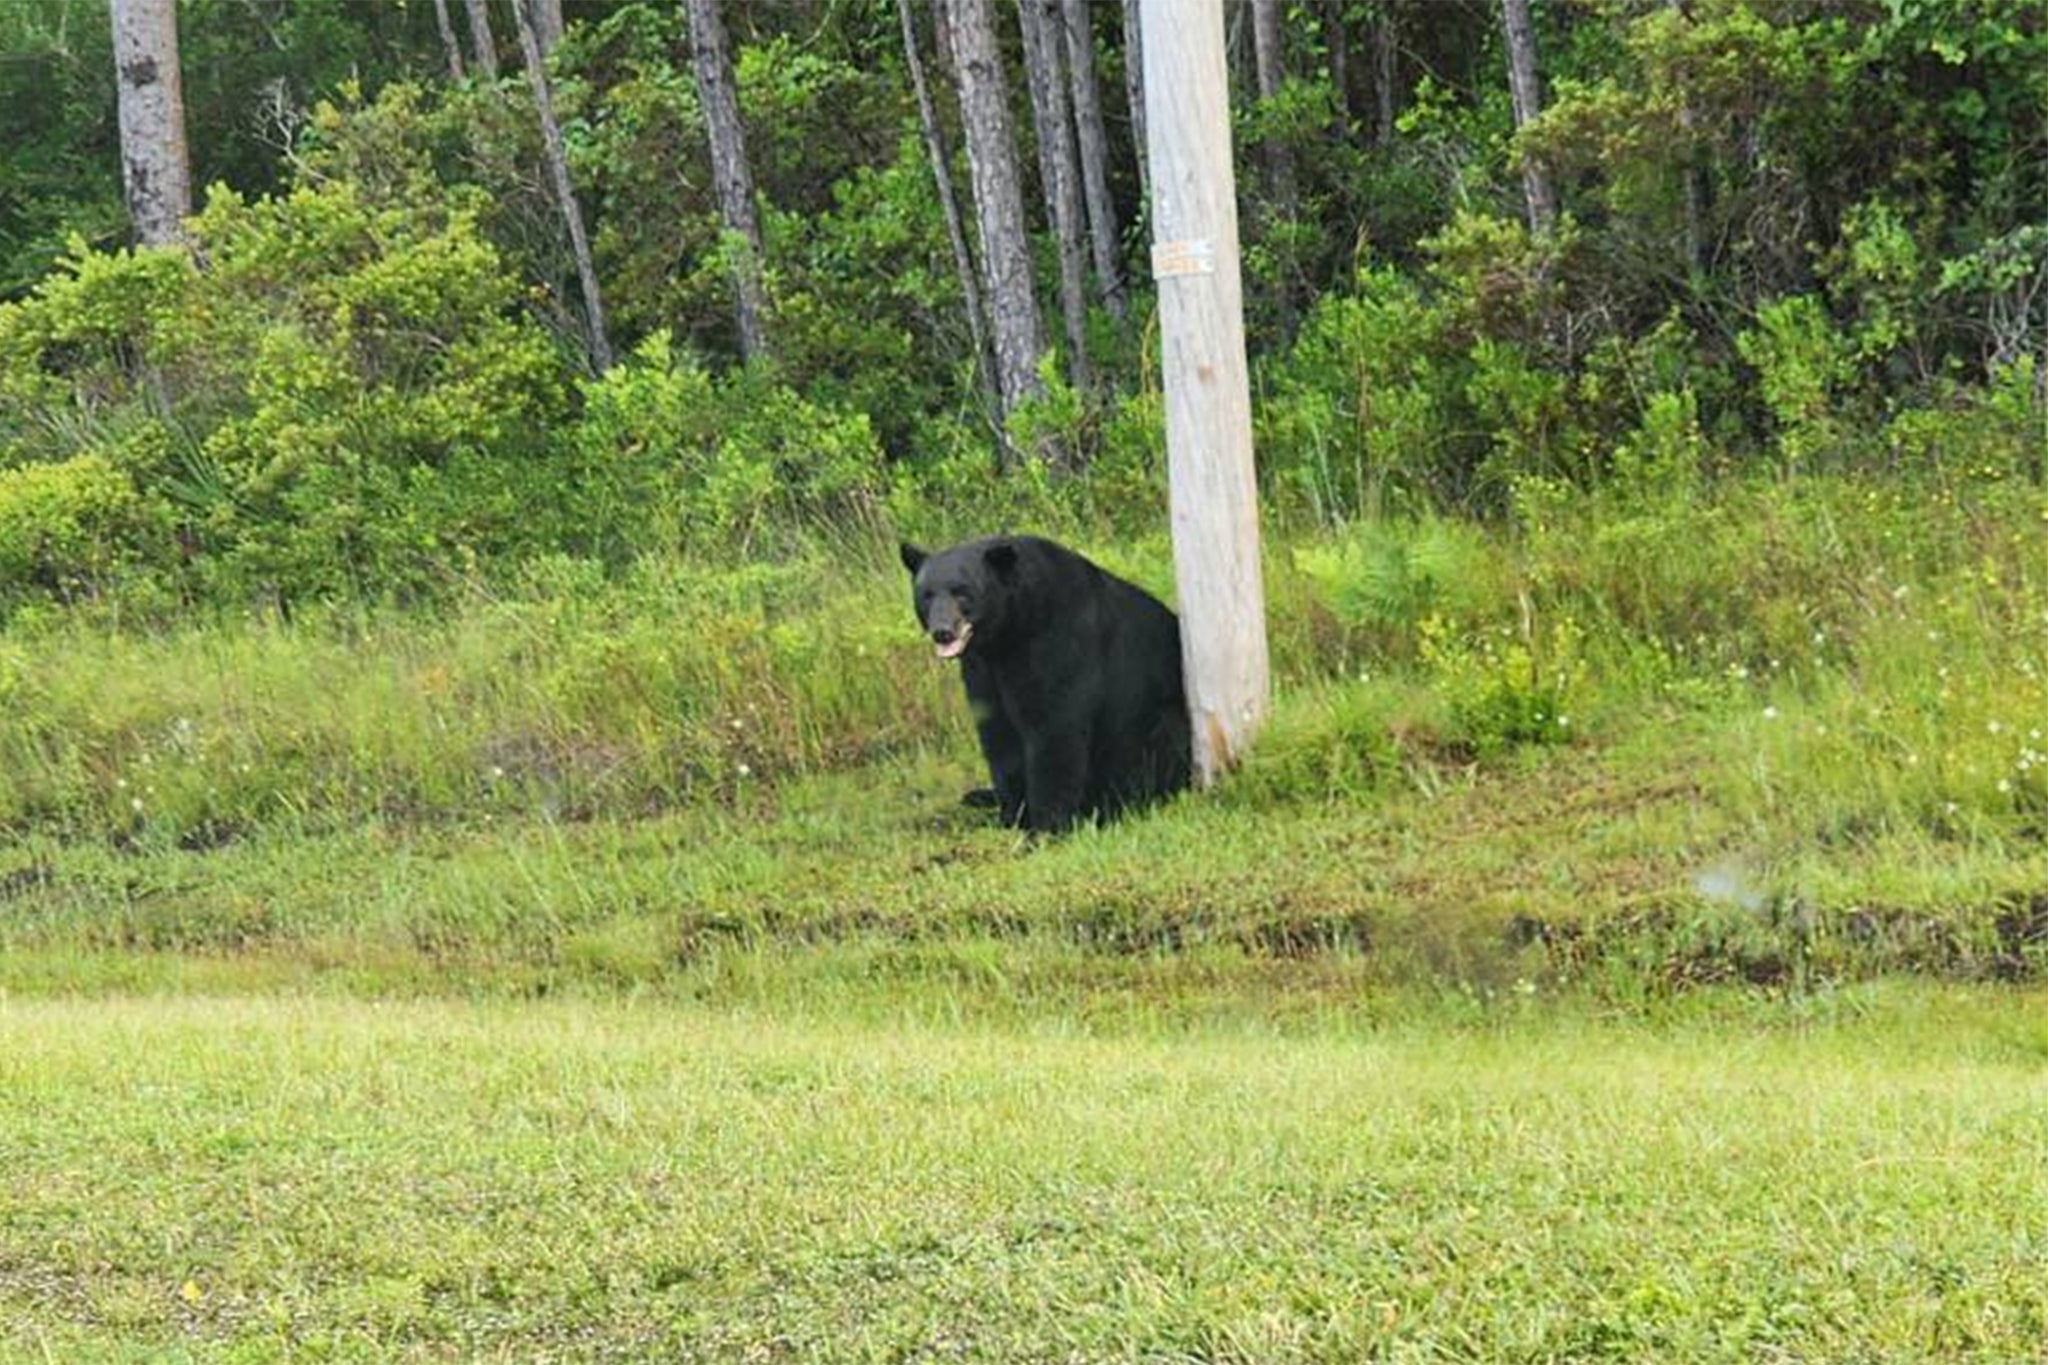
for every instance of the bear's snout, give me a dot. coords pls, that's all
(951, 642)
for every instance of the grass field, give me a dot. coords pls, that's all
(1864, 1179)
(1625, 944)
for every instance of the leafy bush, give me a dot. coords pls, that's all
(669, 457)
(1361, 415)
(66, 527)
(348, 402)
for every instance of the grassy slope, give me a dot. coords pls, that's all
(1624, 865)
(296, 1180)
(1274, 1074)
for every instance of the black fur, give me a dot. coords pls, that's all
(1074, 677)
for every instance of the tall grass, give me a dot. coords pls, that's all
(1841, 675)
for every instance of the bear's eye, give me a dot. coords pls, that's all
(965, 600)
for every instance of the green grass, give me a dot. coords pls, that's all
(252, 1180)
(607, 971)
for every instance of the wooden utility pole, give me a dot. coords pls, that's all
(1212, 494)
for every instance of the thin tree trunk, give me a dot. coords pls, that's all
(730, 174)
(156, 171)
(1045, 69)
(1134, 96)
(481, 39)
(1385, 70)
(949, 206)
(1014, 322)
(1103, 235)
(547, 25)
(448, 42)
(1528, 97)
(558, 168)
(1271, 73)
(1698, 188)
(1278, 156)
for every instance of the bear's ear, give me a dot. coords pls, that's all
(913, 558)
(1001, 557)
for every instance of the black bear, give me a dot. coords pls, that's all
(1073, 675)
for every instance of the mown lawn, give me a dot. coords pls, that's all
(1857, 1175)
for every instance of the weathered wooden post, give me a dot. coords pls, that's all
(1213, 498)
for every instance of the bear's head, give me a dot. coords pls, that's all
(961, 593)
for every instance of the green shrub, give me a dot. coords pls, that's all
(668, 457)
(66, 528)
(1361, 416)
(1801, 364)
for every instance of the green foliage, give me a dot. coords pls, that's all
(65, 528)
(1801, 361)
(1358, 417)
(1507, 686)
(349, 399)
(668, 457)
(1386, 580)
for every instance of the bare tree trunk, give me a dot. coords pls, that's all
(949, 206)
(730, 174)
(1528, 98)
(1272, 72)
(1134, 96)
(547, 25)
(1279, 157)
(480, 37)
(1045, 67)
(1103, 235)
(1014, 321)
(448, 43)
(156, 171)
(1698, 188)
(1385, 69)
(558, 168)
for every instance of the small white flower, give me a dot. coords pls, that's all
(135, 804)
(496, 772)
(2004, 787)
(1770, 713)
(745, 771)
